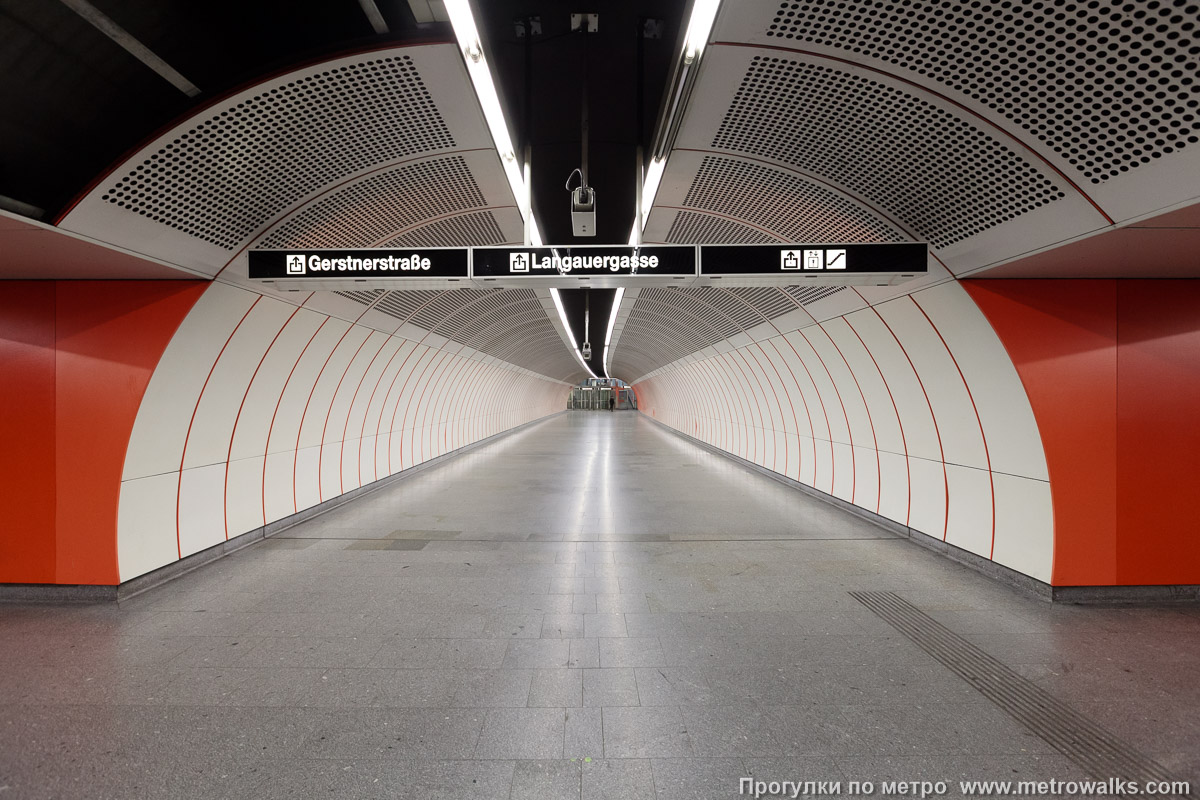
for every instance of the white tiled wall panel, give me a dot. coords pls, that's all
(273, 409)
(910, 409)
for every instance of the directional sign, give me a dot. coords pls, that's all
(594, 265)
(433, 262)
(829, 263)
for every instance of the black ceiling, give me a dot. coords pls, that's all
(563, 63)
(599, 303)
(75, 102)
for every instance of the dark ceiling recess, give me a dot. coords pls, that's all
(543, 102)
(74, 101)
(575, 301)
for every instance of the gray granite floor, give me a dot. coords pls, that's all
(590, 608)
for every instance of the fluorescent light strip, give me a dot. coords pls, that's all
(562, 316)
(700, 25)
(612, 321)
(654, 177)
(704, 14)
(485, 89)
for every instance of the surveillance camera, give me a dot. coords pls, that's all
(587, 351)
(583, 211)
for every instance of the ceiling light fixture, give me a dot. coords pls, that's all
(683, 78)
(704, 14)
(485, 89)
(612, 321)
(649, 189)
(562, 316)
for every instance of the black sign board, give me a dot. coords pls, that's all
(432, 262)
(828, 260)
(583, 261)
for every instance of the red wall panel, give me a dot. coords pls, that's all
(1158, 431)
(1112, 370)
(27, 432)
(76, 358)
(110, 336)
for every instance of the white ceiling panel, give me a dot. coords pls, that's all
(274, 158)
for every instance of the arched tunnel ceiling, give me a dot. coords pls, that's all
(383, 149)
(990, 130)
(509, 325)
(995, 131)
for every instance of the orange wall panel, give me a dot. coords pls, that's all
(110, 336)
(1158, 431)
(76, 357)
(1112, 370)
(27, 432)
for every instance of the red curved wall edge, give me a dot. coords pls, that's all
(1112, 371)
(76, 357)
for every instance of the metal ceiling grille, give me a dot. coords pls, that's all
(444, 306)
(476, 229)
(945, 178)
(371, 210)
(807, 295)
(688, 227)
(511, 325)
(1107, 85)
(728, 305)
(363, 297)
(666, 325)
(235, 169)
(403, 304)
(767, 302)
(508, 324)
(797, 209)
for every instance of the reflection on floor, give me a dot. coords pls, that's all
(591, 607)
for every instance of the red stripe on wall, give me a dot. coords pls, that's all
(983, 436)
(192, 421)
(899, 423)
(937, 430)
(238, 418)
(275, 413)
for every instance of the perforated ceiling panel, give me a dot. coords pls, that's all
(766, 302)
(442, 307)
(362, 297)
(356, 151)
(807, 295)
(1109, 86)
(689, 227)
(402, 305)
(944, 177)
(508, 324)
(666, 325)
(476, 229)
(799, 210)
(231, 170)
(372, 210)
